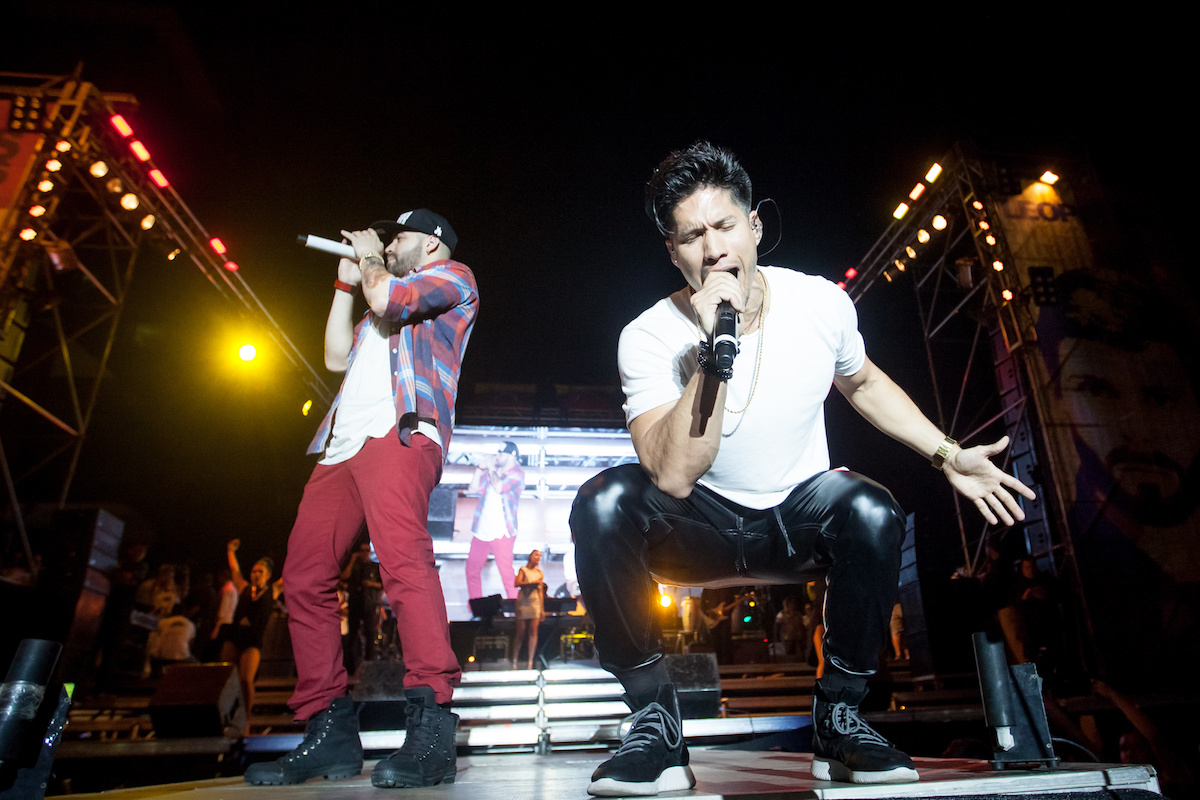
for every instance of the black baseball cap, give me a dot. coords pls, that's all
(509, 447)
(421, 220)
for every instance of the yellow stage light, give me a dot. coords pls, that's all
(910, 252)
(991, 240)
(159, 179)
(247, 352)
(899, 264)
(45, 185)
(121, 125)
(900, 211)
(917, 191)
(62, 145)
(129, 201)
(171, 256)
(1049, 178)
(148, 222)
(139, 150)
(53, 165)
(933, 173)
(998, 266)
(939, 223)
(1007, 295)
(114, 185)
(664, 600)
(98, 169)
(304, 409)
(27, 234)
(983, 225)
(978, 206)
(922, 236)
(37, 210)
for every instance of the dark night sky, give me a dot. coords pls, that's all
(533, 132)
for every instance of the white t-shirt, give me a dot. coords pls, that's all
(810, 334)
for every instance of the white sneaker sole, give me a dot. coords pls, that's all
(824, 770)
(672, 779)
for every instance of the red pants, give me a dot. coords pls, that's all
(386, 485)
(502, 549)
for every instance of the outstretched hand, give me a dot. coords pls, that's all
(971, 472)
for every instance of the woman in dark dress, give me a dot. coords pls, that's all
(241, 642)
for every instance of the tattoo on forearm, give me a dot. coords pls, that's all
(373, 272)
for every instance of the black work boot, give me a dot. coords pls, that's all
(331, 749)
(653, 757)
(847, 749)
(427, 756)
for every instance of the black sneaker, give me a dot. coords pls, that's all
(847, 749)
(331, 749)
(652, 757)
(427, 756)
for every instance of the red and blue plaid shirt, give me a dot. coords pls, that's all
(432, 310)
(510, 490)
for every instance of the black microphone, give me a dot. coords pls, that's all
(724, 338)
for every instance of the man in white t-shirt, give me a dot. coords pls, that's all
(734, 485)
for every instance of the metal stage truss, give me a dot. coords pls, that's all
(948, 241)
(81, 202)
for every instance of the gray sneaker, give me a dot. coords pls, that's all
(652, 757)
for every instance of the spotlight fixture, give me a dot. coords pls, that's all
(923, 236)
(121, 125)
(159, 179)
(990, 239)
(114, 185)
(1048, 178)
(98, 169)
(217, 245)
(304, 409)
(978, 206)
(148, 222)
(27, 234)
(232, 267)
(171, 256)
(851, 273)
(139, 150)
(53, 165)
(998, 265)
(45, 185)
(37, 210)
(939, 223)
(933, 173)
(983, 225)
(909, 251)
(1007, 295)
(917, 191)
(900, 211)
(62, 145)
(130, 201)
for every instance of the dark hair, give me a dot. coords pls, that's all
(682, 172)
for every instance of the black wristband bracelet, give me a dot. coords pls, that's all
(704, 358)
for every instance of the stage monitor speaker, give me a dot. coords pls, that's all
(198, 700)
(697, 684)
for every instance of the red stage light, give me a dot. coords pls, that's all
(139, 150)
(217, 245)
(851, 273)
(232, 267)
(121, 125)
(841, 284)
(159, 179)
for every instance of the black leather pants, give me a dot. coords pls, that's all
(629, 535)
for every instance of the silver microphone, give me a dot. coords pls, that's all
(327, 246)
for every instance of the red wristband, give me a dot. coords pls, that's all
(343, 287)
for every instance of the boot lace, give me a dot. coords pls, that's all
(651, 724)
(844, 720)
(418, 738)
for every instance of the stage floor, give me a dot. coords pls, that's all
(721, 775)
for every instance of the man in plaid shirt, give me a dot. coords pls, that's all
(494, 527)
(382, 445)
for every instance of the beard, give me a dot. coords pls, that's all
(402, 263)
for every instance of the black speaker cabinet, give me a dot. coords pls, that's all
(198, 700)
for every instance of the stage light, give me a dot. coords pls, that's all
(304, 409)
(978, 206)
(664, 600)
(900, 211)
(139, 150)
(909, 251)
(27, 234)
(129, 201)
(887, 275)
(53, 165)
(983, 225)
(159, 179)
(247, 352)
(1007, 295)
(841, 284)
(917, 191)
(121, 125)
(62, 145)
(98, 169)
(991, 240)
(232, 267)
(939, 223)
(899, 264)
(114, 185)
(171, 256)
(148, 222)
(923, 236)
(45, 185)
(746, 619)
(217, 245)
(851, 273)
(933, 173)
(998, 266)
(37, 210)
(1048, 178)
